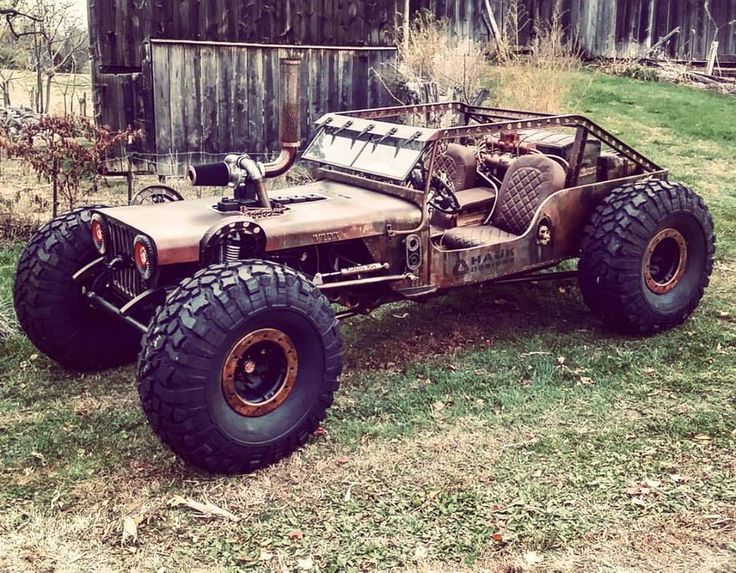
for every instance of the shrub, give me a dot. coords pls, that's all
(433, 65)
(67, 152)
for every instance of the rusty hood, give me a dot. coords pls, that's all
(346, 212)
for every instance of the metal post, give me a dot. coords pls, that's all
(576, 156)
(129, 177)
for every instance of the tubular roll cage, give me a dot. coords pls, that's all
(495, 120)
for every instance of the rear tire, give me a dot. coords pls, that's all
(647, 256)
(51, 307)
(240, 365)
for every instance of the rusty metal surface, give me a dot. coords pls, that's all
(664, 284)
(289, 121)
(566, 212)
(494, 120)
(242, 367)
(348, 212)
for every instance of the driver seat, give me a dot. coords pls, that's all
(529, 180)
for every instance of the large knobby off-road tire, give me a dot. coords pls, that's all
(51, 307)
(646, 256)
(240, 365)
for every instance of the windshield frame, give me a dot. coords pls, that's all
(360, 135)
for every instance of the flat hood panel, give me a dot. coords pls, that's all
(347, 212)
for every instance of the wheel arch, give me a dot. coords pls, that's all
(245, 235)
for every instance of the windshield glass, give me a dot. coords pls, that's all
(388, 152)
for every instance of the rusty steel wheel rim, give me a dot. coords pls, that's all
(259, 372)
(665, 260)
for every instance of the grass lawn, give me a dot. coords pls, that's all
(497, 429)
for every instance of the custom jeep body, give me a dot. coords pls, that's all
(237, 299)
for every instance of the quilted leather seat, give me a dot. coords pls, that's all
(529, 180)
(461, 166)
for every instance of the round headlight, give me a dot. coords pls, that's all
(144, 256)
(98, 233)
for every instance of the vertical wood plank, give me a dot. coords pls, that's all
(177, 87)
(161, 99)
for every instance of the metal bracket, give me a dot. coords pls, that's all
(91, 270)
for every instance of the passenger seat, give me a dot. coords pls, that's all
(529, 180)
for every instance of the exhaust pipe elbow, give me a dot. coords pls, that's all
(290, 120)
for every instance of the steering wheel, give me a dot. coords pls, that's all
(443, 194)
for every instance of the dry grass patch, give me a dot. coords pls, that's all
(545, 78)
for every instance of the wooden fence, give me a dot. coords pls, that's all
(604, 27)
(213, 98)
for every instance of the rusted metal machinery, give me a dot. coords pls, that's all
(235, 297)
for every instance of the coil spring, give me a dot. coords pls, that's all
(231, 250)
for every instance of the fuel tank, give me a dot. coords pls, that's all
(334, 212)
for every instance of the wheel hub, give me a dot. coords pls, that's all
(259, 372)
(665, 260)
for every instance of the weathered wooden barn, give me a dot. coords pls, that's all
(200, 77)
(607, 28)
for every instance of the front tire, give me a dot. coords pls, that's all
(51, 307)
(647, 256)
(240, 365)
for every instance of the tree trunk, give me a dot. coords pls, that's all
(39, 91)
(49, 77)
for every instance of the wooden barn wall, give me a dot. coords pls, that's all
(211, 99)
(606, 27)
(122, 27)
(120, 30)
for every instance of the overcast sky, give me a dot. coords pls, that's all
(81, 8)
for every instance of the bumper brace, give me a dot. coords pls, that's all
(87, 278)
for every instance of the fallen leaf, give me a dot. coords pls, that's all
(130, 530)
(296, 534)
(421, 553)
(306, 564)
(497, 537)
(437, 406)
(586, 381)
(319, 432)
(265, 555)
(206, 509)
(638, 501)
(560, 360)
(533, 558)
(342, 460)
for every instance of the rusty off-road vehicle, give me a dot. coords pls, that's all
(235, 298)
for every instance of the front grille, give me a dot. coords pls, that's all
(127, 281)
